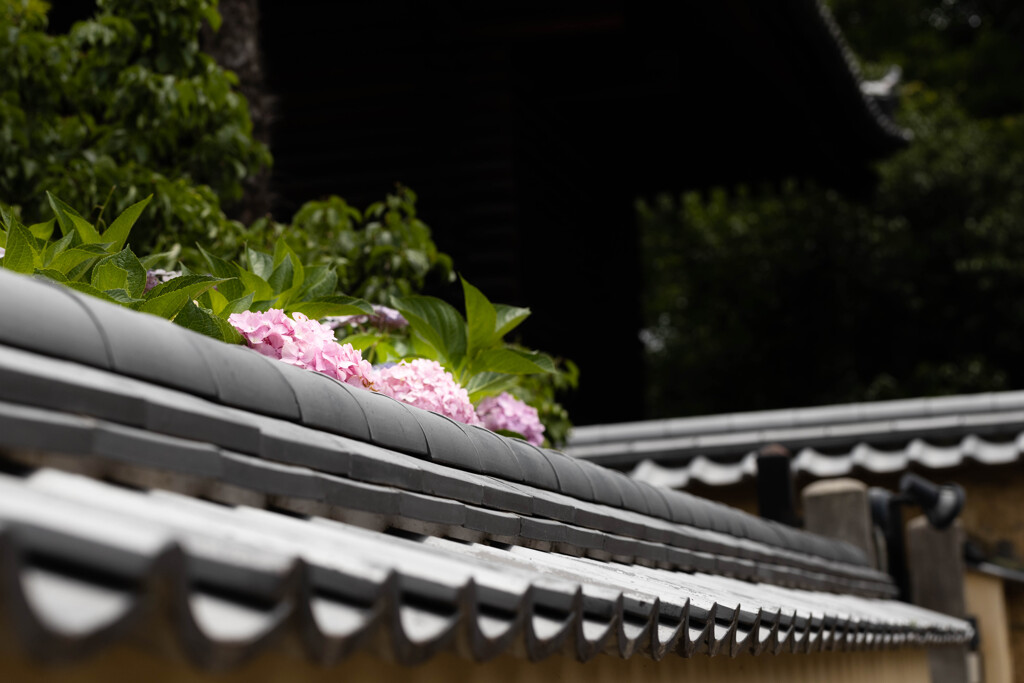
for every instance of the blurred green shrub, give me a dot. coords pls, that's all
(379, 253)
(795, 295)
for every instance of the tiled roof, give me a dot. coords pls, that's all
(240, 576)
(347, 516)
(827, 441)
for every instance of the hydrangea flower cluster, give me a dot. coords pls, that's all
(311, 345)
(425, 384)
(303, 343)
(2, 252)
(383, 318)
(158, 276)
(509, 413)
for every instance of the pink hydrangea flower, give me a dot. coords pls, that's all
(425, 384)
(509, 413)
(303, 343)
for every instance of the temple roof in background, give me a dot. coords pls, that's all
(827, 441)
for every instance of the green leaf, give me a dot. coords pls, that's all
(480, 319)
(281, 279)
(21, 255)
(54, 249)
(123, 270)
(189, 286)
(233, 288)
(488, 384)
(117, 233)
(293, 275)
(42, 231)
(511, 362)
(122, 296)
(75, 262)
(259, 263)
(385, 351)
(508, 318)
(331, 305)
(70, 221)
(107, 275)
(437, 324)
(236, 305)
(54, 275)
(280, 251)
(361, 341)
(154, 260)
(320, 281)
(213, 300)
(6, 216)
(192, 285)
(421, 349)
(541, 360)
(255, 284)
(204, 322)
(165, 305)
(264, 305)
(86, 288)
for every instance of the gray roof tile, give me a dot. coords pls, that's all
(34, 428)
(159, 451)
(24, 381)
(247, 379)
(151, 348)
(637, 498)
(326, 404)
(448, 441)
(391, 424)
(505, 496)
(273, 478)
(446, 482)
(571, 479)
(37, 315)
(496, 456)
(536, 468)
(430, 509)
(601, 481)
(420, 591)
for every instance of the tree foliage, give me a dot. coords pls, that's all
(126, 100)
(380, 252)
(797, 295)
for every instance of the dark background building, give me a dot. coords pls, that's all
(529, 129)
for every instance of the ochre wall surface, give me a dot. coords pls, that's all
(994, 512)
(122, 664)
(985, 598)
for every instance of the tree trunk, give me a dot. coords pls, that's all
(236, 46)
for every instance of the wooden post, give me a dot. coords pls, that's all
(935, 562)
(839, 508)
(985, 598)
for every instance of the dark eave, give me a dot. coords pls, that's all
(840, 71)
(827, 441)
